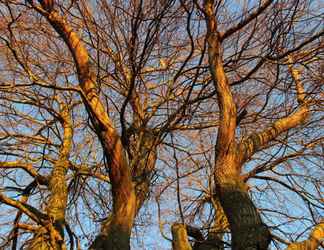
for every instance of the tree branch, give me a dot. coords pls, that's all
(226, 130)
(258, 141)
(30, 211)
(314, 240)
(57, 184)
(28, 168)
(246, 21)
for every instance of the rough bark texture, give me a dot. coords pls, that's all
(248, 231)
(116, 233)
(52, 236)
(130, 180)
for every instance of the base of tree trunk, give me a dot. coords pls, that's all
(247, 229)
(115, 239)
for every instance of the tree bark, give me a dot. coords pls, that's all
(314, 240)
(247, 229)
(52, 237)
(116, 233)
(179, 237)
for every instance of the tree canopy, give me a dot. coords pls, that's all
(145, 124)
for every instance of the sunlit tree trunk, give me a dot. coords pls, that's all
(113, 235)
(247, 229)
(52, 237)
(128, 194)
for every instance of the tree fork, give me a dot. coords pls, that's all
(248, 231)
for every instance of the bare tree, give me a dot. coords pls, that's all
(208, 107)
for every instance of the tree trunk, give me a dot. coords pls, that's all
(52, 237)
(248, 231)
(116, 230)
(179, 237)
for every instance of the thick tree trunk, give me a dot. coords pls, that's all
(248, 231)
(116, 230)
(114, 234)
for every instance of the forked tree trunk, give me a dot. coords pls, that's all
(115, 233)
(116, 230)
(247, 229)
